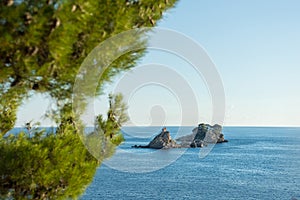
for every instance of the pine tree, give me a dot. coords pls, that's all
(43, 43)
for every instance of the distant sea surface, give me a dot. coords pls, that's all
(256, 163)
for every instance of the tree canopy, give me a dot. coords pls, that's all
(43, 43)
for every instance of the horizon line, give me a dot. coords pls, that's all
(258, 126)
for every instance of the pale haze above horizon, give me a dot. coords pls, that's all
(255, 46)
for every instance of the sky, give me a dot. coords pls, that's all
(255, 46)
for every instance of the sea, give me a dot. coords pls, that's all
(256, 163)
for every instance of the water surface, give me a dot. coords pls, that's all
(257, 163)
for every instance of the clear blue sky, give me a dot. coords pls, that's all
(255, 46)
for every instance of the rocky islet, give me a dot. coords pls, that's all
(201, 136)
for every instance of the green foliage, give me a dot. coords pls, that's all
(56, 166)
(106, 136)
(9, 103)
(43, 43)
(116, 116)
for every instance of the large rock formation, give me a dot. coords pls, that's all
(201, 136)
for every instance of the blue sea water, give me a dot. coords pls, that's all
(256, 163)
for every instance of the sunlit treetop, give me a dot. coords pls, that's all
(44, 42)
